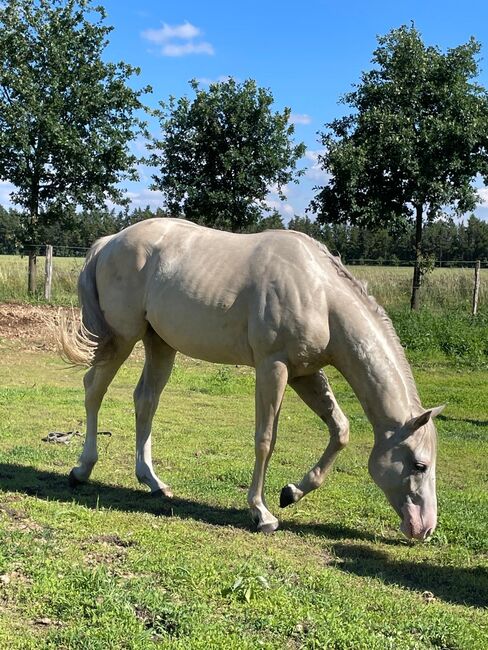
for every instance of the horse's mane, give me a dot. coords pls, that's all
(381, 317)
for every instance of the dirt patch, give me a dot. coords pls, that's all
(31, 326)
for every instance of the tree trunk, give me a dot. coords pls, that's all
(417, 276)
(32, 236)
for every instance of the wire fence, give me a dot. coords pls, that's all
(71, 250)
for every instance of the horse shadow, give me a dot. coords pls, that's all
(450, 418)
(457, 585)
(95, 495)
(465, 586)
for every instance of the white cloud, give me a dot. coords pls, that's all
(174, 49)
(315, 172)
(178, 40)
(273, 201)
(206, 81)
(6, 189)
(483, 196)
(152, 198)
(273, 189)
(300, 118)
(284, 209)
(166, 33)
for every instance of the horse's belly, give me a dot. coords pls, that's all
(210, 332)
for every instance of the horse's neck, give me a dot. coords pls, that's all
(365, 351)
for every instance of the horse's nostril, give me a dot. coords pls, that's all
(428, 533)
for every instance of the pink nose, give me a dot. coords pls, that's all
(411, 533)
(416, 526)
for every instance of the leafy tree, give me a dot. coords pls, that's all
(9, 230)
(221, 152)
(306, 225)
(272, 221)
(416, 139)
(66, 116)
(476, 239)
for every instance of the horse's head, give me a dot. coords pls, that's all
(402, 464)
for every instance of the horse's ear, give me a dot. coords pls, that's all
(422, 419)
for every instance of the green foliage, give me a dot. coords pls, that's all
(415, 142)
(454, 335)
(248, 584)
(417, 136)
(66, 116)
(220, 152)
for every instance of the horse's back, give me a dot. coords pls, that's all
(210, 294)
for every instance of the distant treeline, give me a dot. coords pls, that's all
(447, 240)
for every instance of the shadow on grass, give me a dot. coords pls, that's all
(453, 584)
(94, 494)
(477, 423)
(459, 585)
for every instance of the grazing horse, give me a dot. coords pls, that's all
(277, 301)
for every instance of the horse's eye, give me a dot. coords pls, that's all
(420, 467)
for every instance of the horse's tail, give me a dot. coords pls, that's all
(87, 341)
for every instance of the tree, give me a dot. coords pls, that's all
(9, 230)
(66, 116)
(416, 139)
(220, 153)
(272, 221)
(305, 225)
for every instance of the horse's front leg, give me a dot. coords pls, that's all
(315, 391)
(271, 379)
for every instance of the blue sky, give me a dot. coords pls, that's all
(307, 53)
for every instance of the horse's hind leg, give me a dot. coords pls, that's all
(271, 378)
(96, 382)
(315, 391)
(157, 369)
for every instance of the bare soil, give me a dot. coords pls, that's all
(30, 326)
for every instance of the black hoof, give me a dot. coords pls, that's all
(267, 529)
(286, 497)
(73, 481)
(159, 494)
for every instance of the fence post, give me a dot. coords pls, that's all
(48, 272)
(476, 291)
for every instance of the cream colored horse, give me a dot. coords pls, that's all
(277, 301)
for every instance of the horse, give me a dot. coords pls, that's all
(277, 301)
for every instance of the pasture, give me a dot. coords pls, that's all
(107, 566)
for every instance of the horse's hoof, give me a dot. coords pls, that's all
(165, 494)
(72, 480)
(268, 529)
(287, 496)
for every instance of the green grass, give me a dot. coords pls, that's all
(13, 279)
(106, 566)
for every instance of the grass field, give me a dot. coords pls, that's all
(107, 567)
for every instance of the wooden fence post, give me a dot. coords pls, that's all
(48, 272)
(476, 290)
